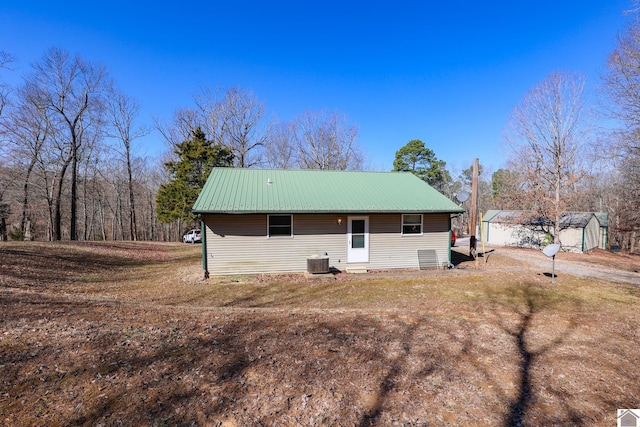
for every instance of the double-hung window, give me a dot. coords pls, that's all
(412, 224)
(279, 225)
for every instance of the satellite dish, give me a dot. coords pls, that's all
(551, 250)
(462, 196)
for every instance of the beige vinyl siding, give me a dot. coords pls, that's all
(390, 249)
(238, 244)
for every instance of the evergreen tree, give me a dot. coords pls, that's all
(196, 158)
(414, 157)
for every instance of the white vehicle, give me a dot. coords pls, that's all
(192, 236)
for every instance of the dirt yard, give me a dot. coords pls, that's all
(108, 334)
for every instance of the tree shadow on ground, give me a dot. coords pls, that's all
(73, 362)
(113, 363)
(371, 415)
(41, 265)
(528, 303)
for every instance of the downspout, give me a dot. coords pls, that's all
(203, 236)
(583, 228)
(449, 251)
(449, 244)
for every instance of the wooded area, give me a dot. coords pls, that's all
(69, 166)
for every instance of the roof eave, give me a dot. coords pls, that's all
(333, 211)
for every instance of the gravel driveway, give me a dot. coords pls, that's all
(538, 260)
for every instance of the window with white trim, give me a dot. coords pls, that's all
(279, 225)
(412, 224)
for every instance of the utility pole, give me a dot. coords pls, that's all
(474, 211)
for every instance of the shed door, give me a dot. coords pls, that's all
(358, 239)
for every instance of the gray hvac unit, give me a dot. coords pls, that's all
(318, 264)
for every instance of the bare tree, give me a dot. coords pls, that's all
(5, 59)
(28, 129)
(5, 207)
(54, 124)
(71, 92)
(622, 87)
(122, 112)
(546, 132)
(326, 141)
(281, 152)
(236, 120)
(241, 117)
(183, 123)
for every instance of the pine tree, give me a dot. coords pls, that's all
(421, 161)
(196, 158)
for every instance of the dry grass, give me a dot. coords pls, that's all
(129, 334)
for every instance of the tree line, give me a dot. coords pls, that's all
(559, 158)
(69, 167)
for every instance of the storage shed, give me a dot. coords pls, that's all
(579, 231)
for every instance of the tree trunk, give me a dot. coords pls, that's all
(25, 199)
(57, 214)
(557, 158)
(73, 233)
(49, 197)
(132, 210)
(103, 226)
(85, 210)
(121, 215)
(152, 218)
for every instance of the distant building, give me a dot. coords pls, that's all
(579, 231)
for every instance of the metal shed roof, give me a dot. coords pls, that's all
(567, 220)
(230, 190)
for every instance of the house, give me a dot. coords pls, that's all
(269, 221)
(627, 418)
(579, 231)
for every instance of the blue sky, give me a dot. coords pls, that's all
(447, 73)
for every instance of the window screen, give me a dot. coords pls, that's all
(412, 224)
(280, 225)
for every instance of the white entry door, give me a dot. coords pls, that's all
(358, 239)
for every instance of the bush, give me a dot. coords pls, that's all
(16, 234)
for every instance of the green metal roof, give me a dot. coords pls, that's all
(603, 218)
(567, 220)
(488, 216)
(240, 191)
